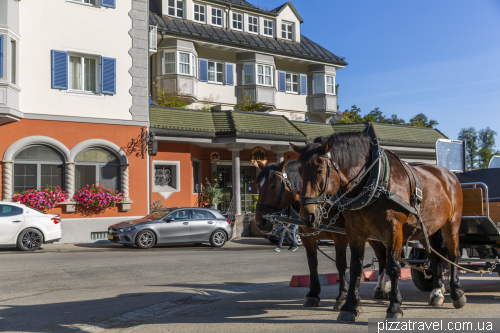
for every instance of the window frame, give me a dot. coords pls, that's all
(233, 21)
(217, 10)
(165, 62)
(326, 84)
(250, 23)
(179, 63)
(82, 57)
(39, 166)
(216, 72)
(13, 61)
(97, 166)
(81, 2)
(269, 28)
(176, 2)
(264, 75)
(177, 165)
(287, 24)
(297, 83)
(194, 13)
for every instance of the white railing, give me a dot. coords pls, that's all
(153, 35)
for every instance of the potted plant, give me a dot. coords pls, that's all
(212, 194)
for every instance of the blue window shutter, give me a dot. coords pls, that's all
(59, 70)
(282, 81)
(303, 84)
(108, 76)
(108, 3)
(1, 55)
(229, 74)
(203, 68)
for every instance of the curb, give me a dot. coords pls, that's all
(333, 278)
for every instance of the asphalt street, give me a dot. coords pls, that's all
(241, 287)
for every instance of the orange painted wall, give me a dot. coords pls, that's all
(70, 134)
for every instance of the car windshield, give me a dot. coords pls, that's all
(157, 215)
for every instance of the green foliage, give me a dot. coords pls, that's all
(377, 116)
(479, 146)
(156, 205)
(247, 105)
(420, 120)
(212, 193)
(486, 143)
(172, 99)
(469, 135)
(256, 199)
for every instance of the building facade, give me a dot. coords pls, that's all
(73, 103)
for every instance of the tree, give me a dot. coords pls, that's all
(247, 105)
(469, 135)
(486, 140)
(350, 116)
(172, 99)
(420, 120)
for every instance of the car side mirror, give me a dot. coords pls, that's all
(169, 219)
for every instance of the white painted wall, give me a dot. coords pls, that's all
(289, 16)
(61, 25)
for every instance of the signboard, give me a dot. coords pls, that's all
(152, 147)
(214, 157)
(451, 154)
(494, 162)
(258, 154)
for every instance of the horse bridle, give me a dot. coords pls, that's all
(322, 198)
(276, 208)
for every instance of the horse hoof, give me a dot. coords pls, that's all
(311, 302)
(394, 315)
(346, 317)
(378, 294)
(338, 305)
(458, 304)
(436, 300)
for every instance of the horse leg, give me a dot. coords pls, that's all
(450, 231)
(312, 297)
(341, 260)
(394, 238)
(437, 241)
(383, 285)
(349, 311)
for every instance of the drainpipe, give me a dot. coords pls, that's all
(227, 17)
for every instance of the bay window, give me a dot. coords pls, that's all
(169, 62)
(287, 31)
(330, 85)
(292, 83)
(82, 73)
(324, 84)
(268, 28)
(215, 72)
(253, 25)
(176, 8)
(217, 17)
(97, 166)
(199, 13)
(185, 62)
(237, 21)
(264, 75)
(248, 74)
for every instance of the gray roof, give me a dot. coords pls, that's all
(307, 49)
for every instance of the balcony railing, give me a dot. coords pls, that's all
(153, 35)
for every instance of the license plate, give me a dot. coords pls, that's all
(110, 237)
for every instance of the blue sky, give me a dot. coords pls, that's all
(441, 58)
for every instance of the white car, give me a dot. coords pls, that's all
(27, 228)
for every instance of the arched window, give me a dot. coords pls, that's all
(97, 165)
(37, 166)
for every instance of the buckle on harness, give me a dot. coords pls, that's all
(418, 193)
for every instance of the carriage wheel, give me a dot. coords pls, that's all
(420, 281)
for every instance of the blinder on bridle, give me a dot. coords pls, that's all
(276, 208)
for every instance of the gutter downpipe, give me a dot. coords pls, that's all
(227, 17)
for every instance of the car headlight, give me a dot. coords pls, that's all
(127, 229)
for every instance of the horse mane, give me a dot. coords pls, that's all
(292, 171)
(346, 151)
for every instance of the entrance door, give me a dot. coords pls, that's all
(178, 230)
(225, 181)
(248, 189)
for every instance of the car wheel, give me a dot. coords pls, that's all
(145, 239)
(30, 240)
(218, 238)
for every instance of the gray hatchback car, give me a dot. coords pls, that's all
(173, 225)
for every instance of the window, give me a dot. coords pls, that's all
(184, 63)
(166, 177)
(249, 74)
(199, 214)
(237, 21)
(37, 166)
(82, 73)
(86, 2)
(97, 165)
(319, 84)
(7, 210)
(268, 28)
(287, 31)
(217, 16)
(199, 13)
(292, 83)
(175, 8)
(253, 25)
(170, 63)
(196, 177)
(264, 76)
(215, 72)
(193, 66)
(330, 85)
(179, 215)
(13, 61)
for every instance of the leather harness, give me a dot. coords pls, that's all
(276, 208)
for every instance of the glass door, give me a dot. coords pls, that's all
(225, 182)
(248, 188)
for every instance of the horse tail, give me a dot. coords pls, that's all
(438, 243)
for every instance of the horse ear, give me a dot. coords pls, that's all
(296, 148)
(260, 165)
(282, 165)
(325, 147)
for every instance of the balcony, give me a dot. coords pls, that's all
(258, 94)
(153, 39)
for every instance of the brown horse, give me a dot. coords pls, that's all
(441, 209)
(271, 190)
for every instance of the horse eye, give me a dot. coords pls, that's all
(274, 186)
(320, 172)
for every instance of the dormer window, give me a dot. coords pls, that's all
(176, 8)
(237, 21)
(268, 28)
(253, 25)
(217, 16)
(199, 13)
(287, 31)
